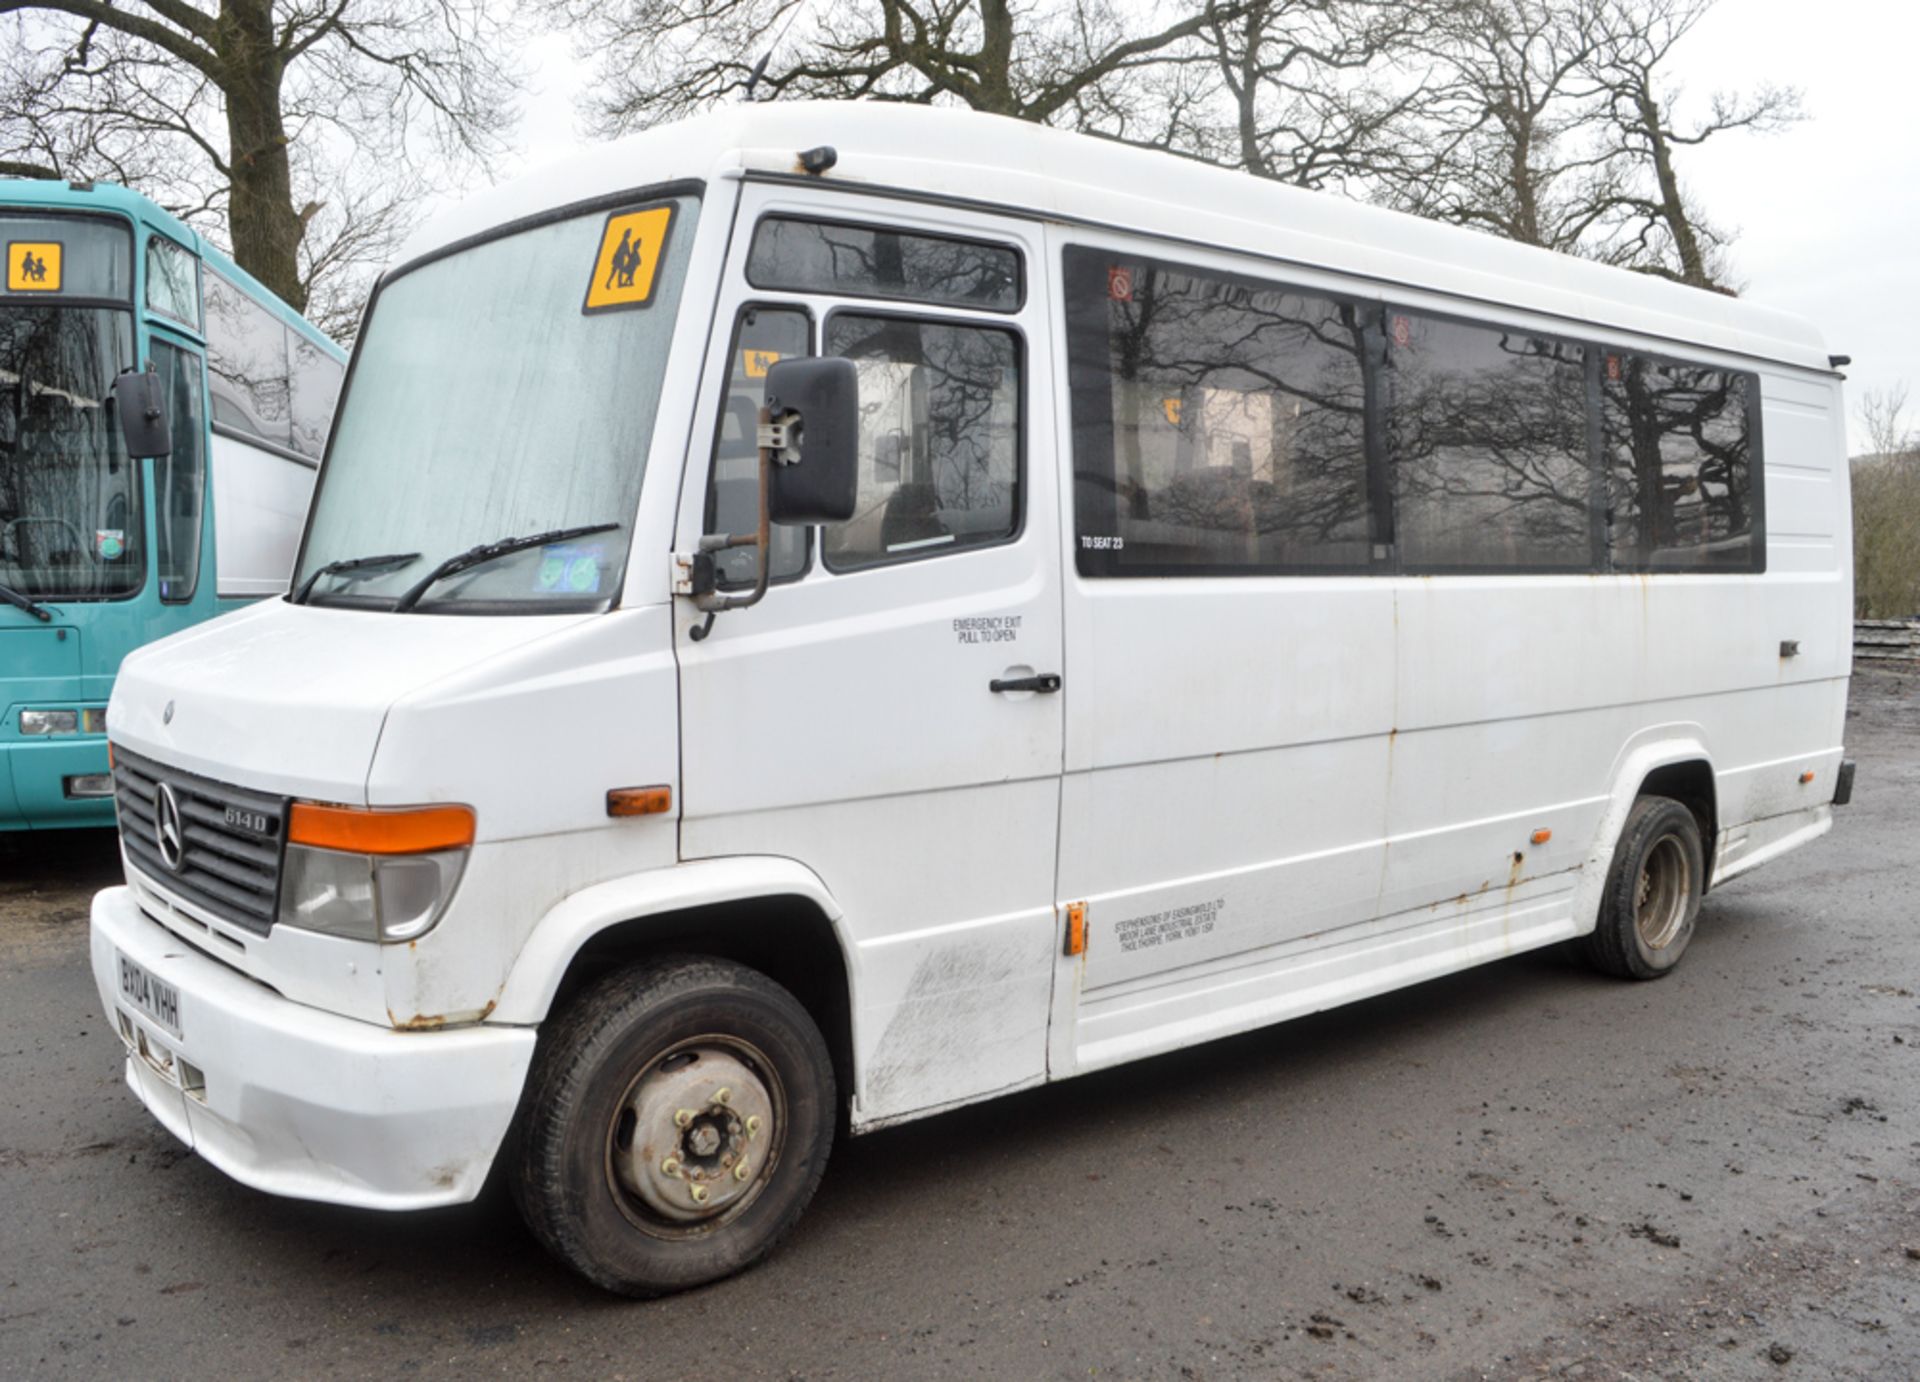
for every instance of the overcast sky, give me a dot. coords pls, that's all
(1826, 217)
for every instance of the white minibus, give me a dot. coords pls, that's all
(820, 614)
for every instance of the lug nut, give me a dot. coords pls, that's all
(722, 1094)
(682, 1117)
(699, 1193)
(670, 1167)
(741, 1172)
(753, 1124)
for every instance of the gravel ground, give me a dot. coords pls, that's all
(1522, 1171)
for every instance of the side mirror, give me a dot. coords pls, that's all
(814, 405)
(140, 402)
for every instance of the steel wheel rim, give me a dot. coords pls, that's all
(1661, 894)
(636, 1180)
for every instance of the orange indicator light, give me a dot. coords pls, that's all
(1541, 836)
(418, 830)
(1806, 777)
(639, 801)
(1076, 928)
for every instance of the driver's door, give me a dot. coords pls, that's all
(849, 721)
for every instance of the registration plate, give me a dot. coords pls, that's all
(155, 998)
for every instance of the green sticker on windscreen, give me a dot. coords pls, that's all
(569, 569)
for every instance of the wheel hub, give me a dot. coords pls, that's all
(694, 1135)
(1660, 898)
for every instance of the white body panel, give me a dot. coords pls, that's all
(1271, 794)
(260, 501)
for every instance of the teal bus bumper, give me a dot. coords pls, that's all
(36, 787)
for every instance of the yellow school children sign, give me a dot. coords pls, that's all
(629, 259)
(33, 266)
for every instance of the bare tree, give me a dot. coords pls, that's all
(1657, 225)
(1073, 63)
(303, 126)
(1510, 141)
(1300, 97)
(1883, 417)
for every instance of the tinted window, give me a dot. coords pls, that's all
(1219, 423)
(69, 498)
(763, 336)
(247, 361)
(180, 479)
(314, 384)
(939, 438)
(860, 261)
(1679, 448)
(173, 281)
(1487, 434)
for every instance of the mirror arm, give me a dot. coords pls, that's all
(760, 540)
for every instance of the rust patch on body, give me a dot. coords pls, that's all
(433, 1022)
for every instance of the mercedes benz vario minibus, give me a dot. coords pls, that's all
(817, 615)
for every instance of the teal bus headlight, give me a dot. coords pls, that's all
(40, 722)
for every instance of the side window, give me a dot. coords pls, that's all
(313, 379)
(180, 480)
(762, 337)
(1679, 449)
(1219, 423)
(1487, 432)
(940, 416)
(865, 261)
(247, 360)
(173, 281)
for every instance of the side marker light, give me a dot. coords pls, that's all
(1076, 928)
(639, 801)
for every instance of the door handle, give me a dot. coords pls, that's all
(1045, 682)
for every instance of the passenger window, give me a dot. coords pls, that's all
(939, 444)
(762, 337)
(1679, 456)
(864, 261)
(1219, 423)
(179, 479)
(313, 379)
(1487, 432)
(247, 356)
(173, 281)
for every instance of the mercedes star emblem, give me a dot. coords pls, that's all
(167, 831)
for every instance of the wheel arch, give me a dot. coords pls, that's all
(773, 915)
(1673, 760)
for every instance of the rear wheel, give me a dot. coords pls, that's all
(1653, 892)
(677, 1121)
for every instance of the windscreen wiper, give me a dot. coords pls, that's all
(338, 568)
(19, 601)
(486, 552)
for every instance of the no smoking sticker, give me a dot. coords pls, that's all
(1120, 283)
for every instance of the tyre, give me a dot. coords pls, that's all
(1653, 892)
(677, 1119)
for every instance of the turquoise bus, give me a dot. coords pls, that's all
(100, 552)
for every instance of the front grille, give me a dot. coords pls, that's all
(230, 840)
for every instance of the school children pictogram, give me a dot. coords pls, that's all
(629, 259)
(33, 266)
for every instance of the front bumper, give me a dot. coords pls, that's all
(304, 1103)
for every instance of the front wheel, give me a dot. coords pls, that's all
(1653, 892)
(677, 1121)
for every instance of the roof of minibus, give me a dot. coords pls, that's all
(46, 194)
(994, 160)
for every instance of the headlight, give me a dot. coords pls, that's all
(367, 897)
(49, 722)
(372, 875)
